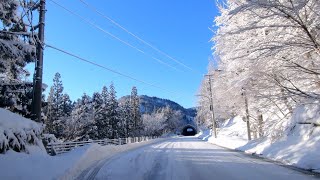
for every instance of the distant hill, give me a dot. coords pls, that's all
(150, 104)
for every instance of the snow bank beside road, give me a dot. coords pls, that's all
(95, 153)
(40, 166)
(37, 165)
(21, 134)
(18, 133)
(298, 147)
(22, 154)
(232, 134)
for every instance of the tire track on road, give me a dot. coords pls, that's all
(91, 172)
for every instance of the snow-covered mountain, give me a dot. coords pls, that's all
(150, 104)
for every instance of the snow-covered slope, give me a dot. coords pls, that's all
(151, 104)
(18, 133)
(231, 134)
(299, 146)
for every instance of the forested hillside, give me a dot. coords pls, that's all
(151, 104)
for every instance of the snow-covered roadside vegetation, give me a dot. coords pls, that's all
(268, 54)
(21, 134)
(18, 133)
(39, 165)
(266, 75)
(298, 146)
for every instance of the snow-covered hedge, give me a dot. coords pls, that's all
(17, 132)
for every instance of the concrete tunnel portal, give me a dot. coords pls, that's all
(189, 130)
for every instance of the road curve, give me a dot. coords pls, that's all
(188, 158)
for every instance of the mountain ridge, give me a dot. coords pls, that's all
(150, 104)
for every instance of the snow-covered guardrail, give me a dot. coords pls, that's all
(59, 148)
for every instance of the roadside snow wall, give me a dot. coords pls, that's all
(18, 133)
(298, 146)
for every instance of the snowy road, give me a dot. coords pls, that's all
(188, 158)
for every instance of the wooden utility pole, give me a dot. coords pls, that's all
(247, 114)
(214, 128)
(260, 126)
(37, 81)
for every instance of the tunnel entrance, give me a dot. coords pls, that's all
(189, 131)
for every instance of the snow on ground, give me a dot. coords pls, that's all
(298, 147)
(18, 133)
(232, 134)
(189, 158)
(34, 163)
(39, 165)
(96, 153)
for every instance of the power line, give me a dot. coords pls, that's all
(108, 69)
(112, 35)
(134, 35)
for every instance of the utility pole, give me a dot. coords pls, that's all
(247, 114)
(214, 129)
(37, 81)
(260, 121)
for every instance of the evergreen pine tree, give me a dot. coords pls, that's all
(128, 123)
(121, 129)
(98, 114)
(55, 109)
(67, 105)
(16, 50)
(104, 125)
(82, 116)
(112, 112)
(135, 112)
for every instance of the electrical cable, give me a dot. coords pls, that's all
(135, 36)
(113, 36)
(108, 69)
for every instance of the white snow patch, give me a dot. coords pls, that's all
(298, 147)
(40, 165)
(18, 133)
(37, 165)
(95, 153)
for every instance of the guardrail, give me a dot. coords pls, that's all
(59, 148)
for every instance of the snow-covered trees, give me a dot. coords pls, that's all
(18, 133)
(113, 112)
(103, 116)
(153, 123)
(67, 105)
(17, 48)
(83, 121)
(162, 121)
(268, 50)
(98, 117)
(127, 120)
(55, 108)
(135, 112)
(16, 96)
(16, 44)
(101, 110)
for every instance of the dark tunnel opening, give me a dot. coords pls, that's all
(189, 131)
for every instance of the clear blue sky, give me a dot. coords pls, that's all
(179, 28)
